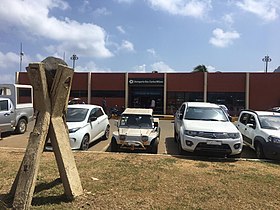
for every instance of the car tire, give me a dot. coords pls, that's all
(114, 145)
(154, 147)
(259, 151)
(21, 126)
(107, 133)
(175, 135)
(85, 143)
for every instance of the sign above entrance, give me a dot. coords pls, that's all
(146, 81)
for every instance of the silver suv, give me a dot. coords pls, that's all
(261, 132)
(137, 129)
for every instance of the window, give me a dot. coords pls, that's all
(244, 117)
(96, 112)
(235, 101)
(4, 105)
(175, 99)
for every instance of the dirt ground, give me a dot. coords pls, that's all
(139, 181)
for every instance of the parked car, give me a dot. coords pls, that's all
(86, 123)
(137, 129)
(16, 107)
(205, 127)
(274, 109)
(261, 132)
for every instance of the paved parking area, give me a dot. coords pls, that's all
(166, 144)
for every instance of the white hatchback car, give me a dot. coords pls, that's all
(86, 123)
(205, 127)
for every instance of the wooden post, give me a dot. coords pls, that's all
(50, 121)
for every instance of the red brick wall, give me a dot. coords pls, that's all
(185, 82)
(264, 90)
(226, 82)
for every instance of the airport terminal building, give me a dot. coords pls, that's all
(258, 91)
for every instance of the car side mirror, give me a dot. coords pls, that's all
(155, 124)
(251, 126)
(92, 118)
(180, 116)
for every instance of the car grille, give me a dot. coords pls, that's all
(213, 135)
(133, 138)
(224, 148)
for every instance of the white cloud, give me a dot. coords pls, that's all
(210, 68)
(101, 12)
(223, 39)
(265, 9)
(192, 8)
(34, 18)
(127, 46)
(228, 19)
(161, 67)
(9, 59)
(90, 67)
(124, 1)
(120, 29)
(140, 68)
(152, 52)
(10, 62)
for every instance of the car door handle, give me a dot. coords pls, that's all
(6, 114)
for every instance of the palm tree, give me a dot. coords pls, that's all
(200, 68)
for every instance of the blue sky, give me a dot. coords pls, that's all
(141, 35)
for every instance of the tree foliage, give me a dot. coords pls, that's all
(200, 68)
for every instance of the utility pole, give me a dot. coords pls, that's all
(21, 54)
(74, 58)
(266, 59)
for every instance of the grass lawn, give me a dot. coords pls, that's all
(138, 181)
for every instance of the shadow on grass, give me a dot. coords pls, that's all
(247, 153)
(6, 200)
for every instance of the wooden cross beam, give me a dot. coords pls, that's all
(50, 122)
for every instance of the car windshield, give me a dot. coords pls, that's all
(76, 114)
(205, 113)
(136, 121)
(270, 122)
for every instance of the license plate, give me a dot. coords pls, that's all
(214, 142)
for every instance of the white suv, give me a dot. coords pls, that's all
(261, 132)
(137, 129)
(205, 127)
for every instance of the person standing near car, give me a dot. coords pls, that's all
(153, 104)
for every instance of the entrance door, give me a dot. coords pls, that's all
(141, 97)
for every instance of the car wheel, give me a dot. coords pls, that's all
(259, 151)
(154, 147)
(85, 143)
(175, 136)
(21, 126)
(114, 145)
(107, 133)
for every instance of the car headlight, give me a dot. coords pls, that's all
(144, 138)
(234, 135)
(122, 137)
(274, 139)
(191, 133)
(73, 130)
